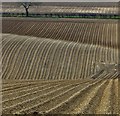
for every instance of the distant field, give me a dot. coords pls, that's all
(82, 7)
(104, 10)
(63, 9)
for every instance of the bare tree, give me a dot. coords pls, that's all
(26, 6)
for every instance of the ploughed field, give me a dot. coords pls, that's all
(61, 96)
(60, 67)
(100, 8)
(97, 32)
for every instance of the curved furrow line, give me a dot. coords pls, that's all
(117, 43)
(34, 85)
(39, 98)
(4, 87)
(19, 66)
(84, 55)
(76, 64)
(38, 29)
(46, 102)
(6, 28)
(114, 97)
(43, 30)
(34, 61)
(24, 67)
(41, 60)
(68, 33)
(46, 30)
(24, 92)
(82, 62)
(19, 73)
(63, 60)
(5, 38)
(29, 59)
(25, 28)
(16, 87)
(96, 51)
(64, 32)
(28, 96)
(48, 35)
(33, 29)
(92, 52)
(114, 75)
(92, 100)
(14, 27)
(49, 73)
(104, 75)
(105, 38)
(71, 32)
(9, 57)
(64, 72)
(59, 58)
(108, 45)
(75, 32)
(7, 82)
(20, 28)
(117, 76)
(46, 61)
(56, 33)
(81, 106)
(111, 41)
(104, 107)
(72, 62)
(78, 67)
(88, 57)
(6, 47)
(69, 62)
(81, 34)
(71, 58)
(63, 105)
(114, 54)
(101, 49)
(14, 59)
(28, 31)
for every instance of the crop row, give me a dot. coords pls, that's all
(38, 58)
(97, 96)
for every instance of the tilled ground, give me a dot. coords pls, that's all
(99, 96)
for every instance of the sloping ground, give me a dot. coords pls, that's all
(60, 72)
(27, 57)
(98, 32)
(99, 96)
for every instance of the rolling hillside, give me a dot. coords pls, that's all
(63, 66)
(27, 57)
